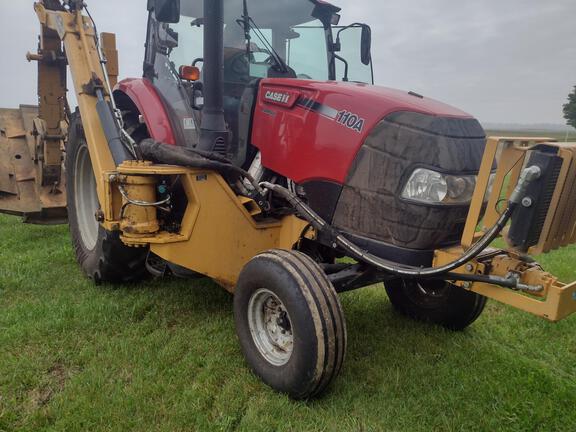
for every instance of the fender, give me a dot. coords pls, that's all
(143, 94)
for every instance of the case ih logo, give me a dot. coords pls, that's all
(277, 97)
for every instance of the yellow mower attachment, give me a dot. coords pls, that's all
(546, 220)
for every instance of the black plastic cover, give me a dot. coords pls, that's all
(323, 197)
(370, 204)
(528, 219)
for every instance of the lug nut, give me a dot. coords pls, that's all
(527, 202)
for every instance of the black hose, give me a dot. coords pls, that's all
(528, 175)
(207, 155)
(414, 272)
(174, 155)
(509, 282)
(382, 264)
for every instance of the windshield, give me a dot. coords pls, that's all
(282, 32)
(273, 31)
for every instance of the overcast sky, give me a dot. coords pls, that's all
(505, 61)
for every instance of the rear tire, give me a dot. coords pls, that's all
(438, 302)
(290, 323)
(101, 254)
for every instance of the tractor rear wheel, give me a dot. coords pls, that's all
(101, 254)
(290, 323)
(438, 302)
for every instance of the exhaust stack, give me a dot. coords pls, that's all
(213, 132)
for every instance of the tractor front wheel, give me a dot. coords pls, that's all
(290, 323)
(438, 302)
(101, 254)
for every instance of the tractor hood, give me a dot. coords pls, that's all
(310, 130)
(352, 149)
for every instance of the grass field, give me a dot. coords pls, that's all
(163, 356)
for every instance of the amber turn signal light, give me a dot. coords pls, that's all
(189, 73)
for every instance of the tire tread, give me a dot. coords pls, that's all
(111, 261)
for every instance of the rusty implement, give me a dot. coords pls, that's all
(23, 190)
(32, 182)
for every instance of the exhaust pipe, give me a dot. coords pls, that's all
(213, 132)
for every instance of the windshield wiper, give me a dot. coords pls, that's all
(250, 24)
(246, 22)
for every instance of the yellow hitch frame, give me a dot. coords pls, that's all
(553, 300)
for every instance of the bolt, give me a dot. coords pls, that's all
(334, 245)
(469, 268)
(467, 285)
(99, 216)
(527, 202)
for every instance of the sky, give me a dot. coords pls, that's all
(503, 61)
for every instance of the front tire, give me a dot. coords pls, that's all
(290, 323)
(438, 302)
(101, 254)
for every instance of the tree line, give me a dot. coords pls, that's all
(570, 109)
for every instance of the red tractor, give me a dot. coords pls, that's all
(256, 151)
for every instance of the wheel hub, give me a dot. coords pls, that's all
(428, 294)
(270, 327)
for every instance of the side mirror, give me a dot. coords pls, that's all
(366, 45)
(335, 20)
(167, 11)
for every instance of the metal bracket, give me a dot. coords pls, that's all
(93, 86)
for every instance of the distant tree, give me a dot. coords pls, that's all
(570, 109)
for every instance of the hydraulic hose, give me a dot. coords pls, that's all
(338, 239)
(174, 155)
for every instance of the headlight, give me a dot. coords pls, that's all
(431, 187)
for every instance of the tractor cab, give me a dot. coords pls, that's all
(295, 39)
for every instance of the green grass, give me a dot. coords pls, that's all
(163, 356)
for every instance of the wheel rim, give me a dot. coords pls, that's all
(430, 294)
(270, 327)
(86, 198)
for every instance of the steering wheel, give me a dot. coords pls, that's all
(304, 76)
(240, 65)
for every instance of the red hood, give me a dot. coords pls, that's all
(386, 99)
(312, 130)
